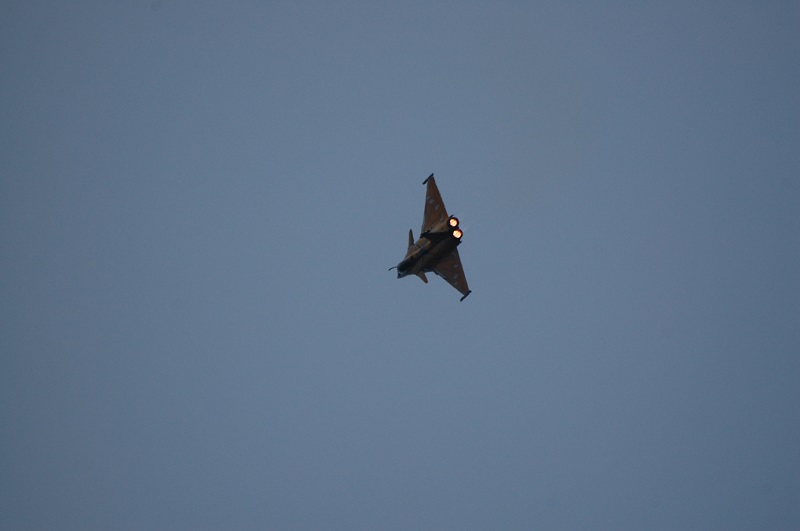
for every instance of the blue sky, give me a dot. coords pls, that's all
(199, 203)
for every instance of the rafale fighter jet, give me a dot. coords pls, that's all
(435, 250)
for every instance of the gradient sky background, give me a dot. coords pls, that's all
(200, 201)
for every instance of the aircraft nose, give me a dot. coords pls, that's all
(402, 268)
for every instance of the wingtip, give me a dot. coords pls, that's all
(426, 180)
(465, 295)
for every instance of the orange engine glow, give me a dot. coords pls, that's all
(457, 233)
(453, 222)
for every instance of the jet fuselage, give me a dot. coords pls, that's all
(431, 247)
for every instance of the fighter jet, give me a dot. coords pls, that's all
(435, 250)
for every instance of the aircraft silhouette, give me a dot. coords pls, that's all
(436, 249)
